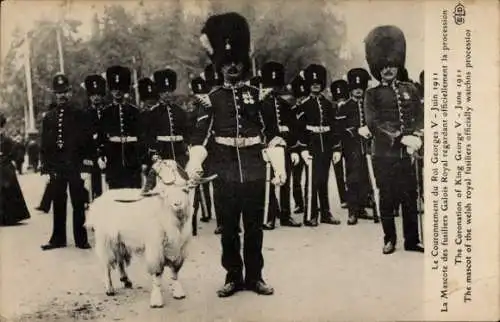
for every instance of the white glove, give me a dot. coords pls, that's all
(84, 176)
(279, 178)
(194, 169)
(336, 157)
(409, 150)
(412, 141)
(46, 178)
(265, 156)
(306, 156)
(102, 162)
(295, 158)
(364, 131)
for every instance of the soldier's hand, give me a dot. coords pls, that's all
(84, 175)
(101, 162)
(364, 131)
(295, 158)
(194, 171)
(336, 157)
(279, 178)
(306, 156)
(265, 156)
(410, 151)
(412, 141)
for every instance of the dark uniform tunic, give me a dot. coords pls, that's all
(393, 111)
(95, 115)
(351, 114)
(234, 116)
(278, 110)
(121, 146)
(165, 129)
(66, 137)
(320, 134)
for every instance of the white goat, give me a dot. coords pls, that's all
(158, 226)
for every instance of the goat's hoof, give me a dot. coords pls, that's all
(179, 296)
(110, 293)
(126, 282)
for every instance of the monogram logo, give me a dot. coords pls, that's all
(273, 75)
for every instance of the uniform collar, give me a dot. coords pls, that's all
(228, 85)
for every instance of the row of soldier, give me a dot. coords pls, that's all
(125, 141)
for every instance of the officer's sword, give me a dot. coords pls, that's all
(373, 183)
(419, 198)
(309, 189)
(203, 201)
(268, 190)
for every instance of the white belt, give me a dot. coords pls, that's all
(124, 139)
(238, 142)
(170, 138)
(283, 128)
(318, 129)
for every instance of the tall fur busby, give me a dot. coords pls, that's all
(119, 78)
(95, 85)
(199, 86)
(165, 80)
(60, 83)
(339, 90)
(273, 74)
(315, 74)
(385, 46)
(298, 87)
(226, 38)
(256, 81)
(147, 89)
(358, 78)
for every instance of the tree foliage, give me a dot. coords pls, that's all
(166, 34)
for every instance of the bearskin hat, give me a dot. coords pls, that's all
(95, 85)
(60, 83)
(165, 80)
(315, 74)
(273, 74)
(385, 46)
(147, 89)
(358, 78)
(339, 90)
(118, 78)
(256, 81)
(299, 88)
(199, 86)
(226, 37)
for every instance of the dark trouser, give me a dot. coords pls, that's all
(61, 182)
(246, 199)
(218, 201)
(397, 183)
(338, 168)
(320, 169)
(298, 196)
(48, 195)
(358, 184)
(19, 166)
(96, 181)
(124, 178)
(198, 201)
(281, 209)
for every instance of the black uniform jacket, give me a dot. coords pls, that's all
(393, 111)
(234, 116)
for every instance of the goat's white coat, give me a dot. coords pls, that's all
(160, 226)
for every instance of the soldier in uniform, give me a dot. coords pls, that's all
(395, 118)
(233, 114)
(351, 114)
(120, 129)
(340, 94)
(65, 138)
(95, 85)
(319, 134)
(300, 92)
(166, 124)
(276, 109)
